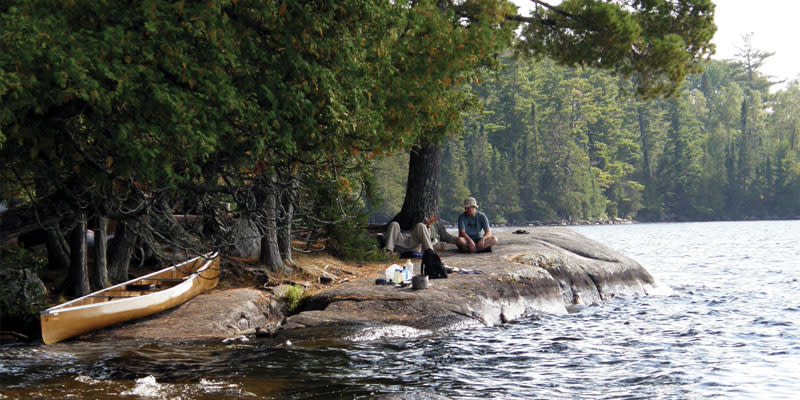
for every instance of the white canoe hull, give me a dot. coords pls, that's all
(137, 298)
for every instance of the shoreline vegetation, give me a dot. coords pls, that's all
(315, 270)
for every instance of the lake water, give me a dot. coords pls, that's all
(729, 330)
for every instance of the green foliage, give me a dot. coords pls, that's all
(111, 102)
(292, 298)
(22, 295)
(97, 93)
(389, 185)
(341, 212)
(658, 43)
(348, 240)
(454, 181)
(15, 257)
(115, 97)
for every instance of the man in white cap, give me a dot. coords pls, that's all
(474, 235)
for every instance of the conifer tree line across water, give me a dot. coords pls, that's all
(552, 143)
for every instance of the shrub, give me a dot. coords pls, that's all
(292, 298)
(22, 294)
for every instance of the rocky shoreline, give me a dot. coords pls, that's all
(541, 270)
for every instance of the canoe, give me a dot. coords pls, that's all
(129, 300)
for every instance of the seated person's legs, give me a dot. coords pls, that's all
(462, 244)
(423, 236)
(397, 240)
(485, 243)
(465, 246)
(392, 234)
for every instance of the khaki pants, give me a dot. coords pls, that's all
(399, 241)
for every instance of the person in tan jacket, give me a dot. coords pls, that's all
(417, 240)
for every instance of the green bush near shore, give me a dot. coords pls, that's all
(292, 298)
(22, 293)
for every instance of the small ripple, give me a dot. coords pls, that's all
(657, 379)
(566, 338)
(555, 348)
(768, 322)
(722, 300)
(778, 353)
(690, 332)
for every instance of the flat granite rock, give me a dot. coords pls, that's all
(218, 314)
(546, 270)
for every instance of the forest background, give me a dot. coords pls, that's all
(553, 144)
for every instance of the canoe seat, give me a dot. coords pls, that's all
(167, 279)
(107, 296)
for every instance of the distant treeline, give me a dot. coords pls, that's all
(554, 143)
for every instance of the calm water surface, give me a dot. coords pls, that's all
(728, 330)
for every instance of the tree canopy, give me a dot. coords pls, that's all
(271, 111)
(658, 42)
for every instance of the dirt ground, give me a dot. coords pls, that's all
(313, 271)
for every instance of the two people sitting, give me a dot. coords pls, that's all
(474, 234)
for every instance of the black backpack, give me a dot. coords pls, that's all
(432, 265)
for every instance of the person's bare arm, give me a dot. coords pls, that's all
(429, 221)
(469, 240)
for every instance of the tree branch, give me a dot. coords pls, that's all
(26, 218)
(555, 9)
(207, 188)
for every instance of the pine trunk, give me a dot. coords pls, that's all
(422, 189)
(211, 227)
(78, 273)
(285, 229)
(57, 249)
(99, 276)
(643, 134)
(121, 252)
(270, 248)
